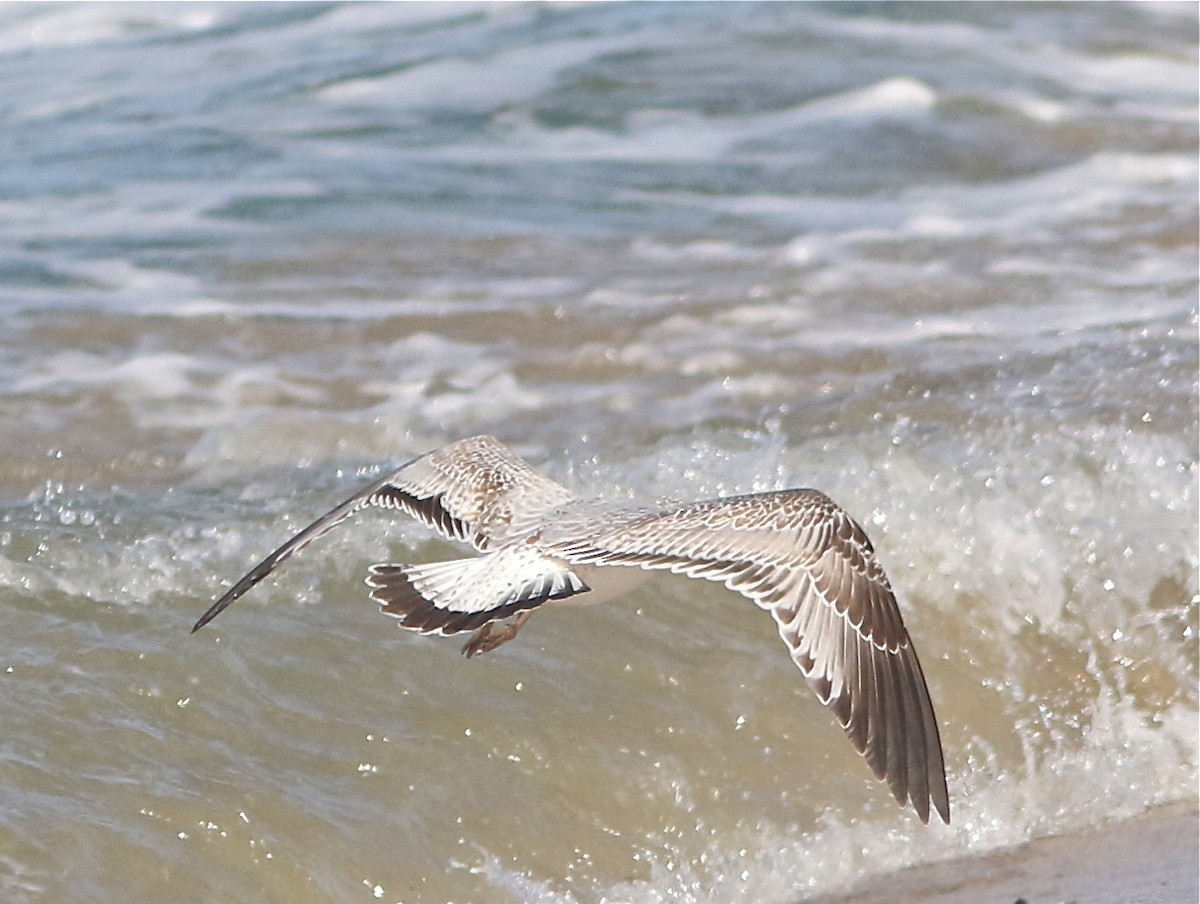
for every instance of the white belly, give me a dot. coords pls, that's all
(608, 582)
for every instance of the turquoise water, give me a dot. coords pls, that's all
(939, 261)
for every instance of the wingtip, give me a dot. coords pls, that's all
(937, 802)
(213, 611)
(942, 805)
(944, 817)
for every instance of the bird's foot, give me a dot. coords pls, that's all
(489, 637)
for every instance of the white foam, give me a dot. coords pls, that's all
(655, 134)
(898, 96)
(153, 377)
(505, 77)
(74, 26)
(1016, 210)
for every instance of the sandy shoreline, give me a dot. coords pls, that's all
(1150, 859)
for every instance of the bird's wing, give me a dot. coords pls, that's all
(798, 555)
(477, 490)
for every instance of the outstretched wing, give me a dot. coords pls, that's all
(477, 490)
(798, 555)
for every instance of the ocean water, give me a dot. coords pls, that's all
(937, 260)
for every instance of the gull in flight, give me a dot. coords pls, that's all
(795, 553)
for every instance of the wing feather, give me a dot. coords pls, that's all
(476, 490)
(799, 555)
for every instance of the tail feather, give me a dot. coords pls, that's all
(466, 594)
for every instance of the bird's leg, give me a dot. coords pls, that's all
(488, 638)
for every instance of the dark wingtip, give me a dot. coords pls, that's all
(219, 606)
(208, 616)
(941, 803)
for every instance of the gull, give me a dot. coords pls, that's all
(794, 553)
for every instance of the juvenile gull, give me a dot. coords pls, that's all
(795, 553)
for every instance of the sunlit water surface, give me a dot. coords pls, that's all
(939, 261)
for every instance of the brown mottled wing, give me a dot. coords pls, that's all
(477, 490)
(797, 554)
